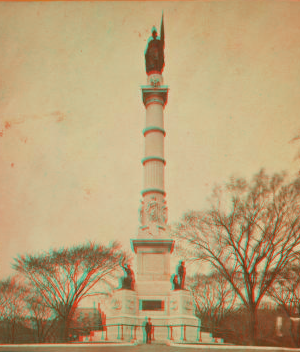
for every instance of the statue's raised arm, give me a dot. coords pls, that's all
(154, 55)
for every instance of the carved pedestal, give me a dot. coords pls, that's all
(122, 315)
(185, 326)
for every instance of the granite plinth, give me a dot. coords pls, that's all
(174, 322)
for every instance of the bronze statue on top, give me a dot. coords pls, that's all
(155, 52)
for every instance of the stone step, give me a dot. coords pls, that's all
(207, 337)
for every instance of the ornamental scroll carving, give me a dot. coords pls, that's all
(188, 305)
(174, 305)
(116, 304)
(153, 211)
(130, 305)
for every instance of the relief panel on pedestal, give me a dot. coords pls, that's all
(173, 305)
(153, 211)
(131, 305)
(188, 305)
(116, 304)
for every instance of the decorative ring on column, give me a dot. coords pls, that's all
(154, 100)
(149, 158)
(153, 129)
(157, 190)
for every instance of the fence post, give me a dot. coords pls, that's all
(153, 339)
(119, 327)
(200, 338)
(182, 333)
(131, 332)
(135, 332)
(106, 338)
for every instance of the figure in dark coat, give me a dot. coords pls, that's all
(148, 328)
(181, 274)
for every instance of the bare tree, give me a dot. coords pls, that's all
(249, 234)
(3, 299)
(285, 291)
(213, 296)
(13, 309)
(64, 277)
(41, 318)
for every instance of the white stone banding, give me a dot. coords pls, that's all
(153, 129)
(150, 158)
(154, 100)
(152, 190)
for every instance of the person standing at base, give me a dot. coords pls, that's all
(148, 328)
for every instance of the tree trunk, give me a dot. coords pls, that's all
(38, 331)
(66, 323)
(253, 326)
(294, 329)
(12, 336)
(65, 329)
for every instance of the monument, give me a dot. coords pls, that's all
(151, 292)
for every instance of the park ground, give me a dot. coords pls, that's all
(138, 348)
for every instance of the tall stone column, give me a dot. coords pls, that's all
(153, 211)
(153, 245)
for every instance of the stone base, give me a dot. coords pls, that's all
(125, 321)
(131, 329)
(123, 302)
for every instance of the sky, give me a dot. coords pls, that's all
(71, 113)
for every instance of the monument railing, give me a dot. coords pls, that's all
(133, 333)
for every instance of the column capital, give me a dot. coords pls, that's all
(158, 95)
